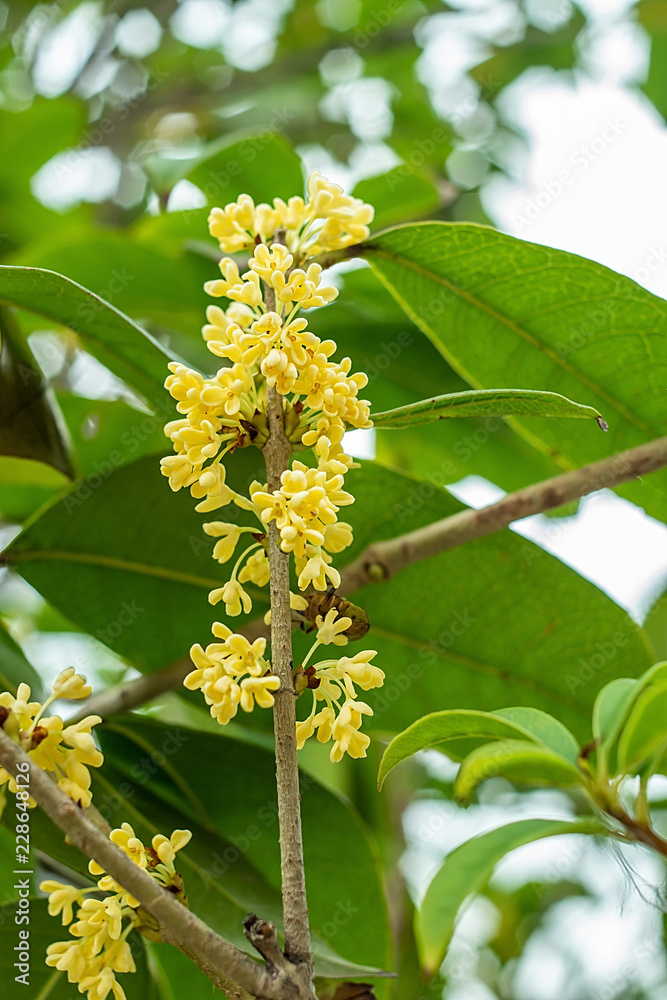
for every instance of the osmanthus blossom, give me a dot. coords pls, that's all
(264, 342)
(66, 751)
(98, 948)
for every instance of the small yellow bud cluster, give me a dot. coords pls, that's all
(100, 948)
(327, 220)
(232, 673)
(67, 751)
(333, 681)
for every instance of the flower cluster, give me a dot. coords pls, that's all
(326, 220)
(268, 349)
(336, 712)
(265, 343)
(232, 673)
(99, 948)
(67, 751)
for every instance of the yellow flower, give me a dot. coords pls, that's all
(166, 848)
(69, 684)
(258, 689)
(236, 599)
(269, 261)
(20, 710)
(336, 681)
(67, 751)
(228, 535)
(331, 629)
(345, 731)
(256, 569)
(62, 899)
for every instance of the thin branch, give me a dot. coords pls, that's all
(383, 559)
(225, 965)
(295, 907)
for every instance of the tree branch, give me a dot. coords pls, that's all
(225, 965)
(383, 559)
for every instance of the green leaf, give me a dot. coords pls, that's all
(26, 485)
(150, 564)
(15, 669)
(448, 731)
(155, 281)
(402, 365)
(484, 403)
(114, 339)
(490, 624)
(645, 730)
(544, 729)
(160, 779)
(261, 165)
(505, 312)
(517, 761)
(30, 425)
(109, 433)
(655, 625)
(611, 705)
(467, 870)
(43, 931)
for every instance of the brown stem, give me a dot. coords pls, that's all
(640, 832)
(383, 559)
(295, 907)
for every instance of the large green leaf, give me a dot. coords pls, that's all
(655, 624)
(491, 624)
(457, 732)
(44, 981)
(507, 313)
(467, 870)
(126, 559)
(161, 776)
(484, 403)
(517, 761)
(402, 365)
(611, 706)
(545, 729)
(495, 623)
(30, 425)
(25, 485)
(155, 281)
(126, 350)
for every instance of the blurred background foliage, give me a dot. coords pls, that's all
(120, 123)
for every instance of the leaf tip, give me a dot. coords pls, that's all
(602, 424)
